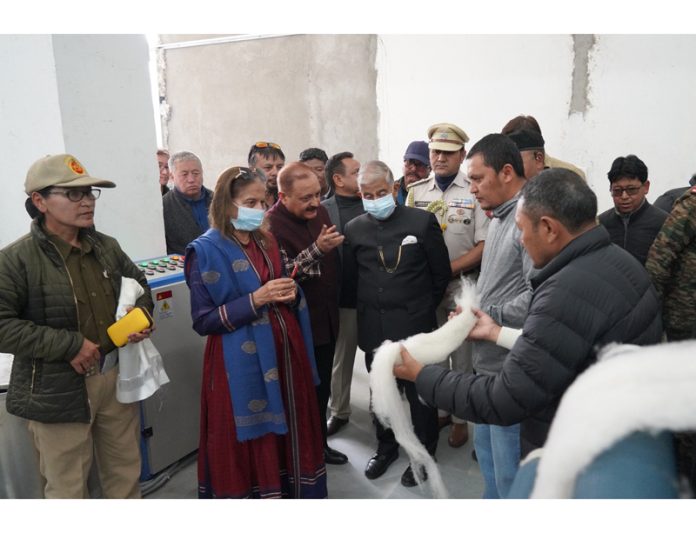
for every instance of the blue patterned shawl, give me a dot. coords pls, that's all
(249, 351)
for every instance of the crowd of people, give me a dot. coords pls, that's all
(292, 267)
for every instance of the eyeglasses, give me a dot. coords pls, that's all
(618, 191)
(414, 162)
(75, 195)
(266, 144)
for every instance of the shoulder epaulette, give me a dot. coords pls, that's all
(419, 182)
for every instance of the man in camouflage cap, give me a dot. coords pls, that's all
(446, 193)
(672, 267)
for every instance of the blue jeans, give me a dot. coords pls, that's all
(498, 454)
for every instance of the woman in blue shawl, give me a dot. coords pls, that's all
(260, 431)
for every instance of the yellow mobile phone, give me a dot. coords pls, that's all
(135, 321)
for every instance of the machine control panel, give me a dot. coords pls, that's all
(161, 266)
(162, 270)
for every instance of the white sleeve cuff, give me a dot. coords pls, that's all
(507, 337)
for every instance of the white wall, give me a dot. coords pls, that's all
(30, 122)
(299, 91)
(88, 95)
(641, 97)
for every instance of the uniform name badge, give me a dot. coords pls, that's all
(462, 203)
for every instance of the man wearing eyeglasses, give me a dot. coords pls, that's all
(416, 168)
(59, 288)
(269, 158)
(633, 223)
(308, 240)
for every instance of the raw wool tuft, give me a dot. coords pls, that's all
(428, 348)
(630, 389)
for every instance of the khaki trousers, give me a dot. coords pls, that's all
(344, 359)
(66, 450)
(459, 359)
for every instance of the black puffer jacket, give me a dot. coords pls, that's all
(39, 325)
(591, 294)
(636, 232)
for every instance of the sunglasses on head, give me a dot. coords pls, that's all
(266, 144)
(244, 173)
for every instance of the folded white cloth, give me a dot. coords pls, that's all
(140, 369)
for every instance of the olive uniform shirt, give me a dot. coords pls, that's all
(94, 296)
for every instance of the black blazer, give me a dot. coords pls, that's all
(395, 305)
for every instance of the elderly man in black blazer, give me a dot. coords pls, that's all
(403, 271)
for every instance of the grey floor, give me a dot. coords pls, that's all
(459, 472)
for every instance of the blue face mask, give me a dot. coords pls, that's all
(248, 219)
(380, 208)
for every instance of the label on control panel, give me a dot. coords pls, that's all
(163, 305)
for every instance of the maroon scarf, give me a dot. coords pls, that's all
(294, 235)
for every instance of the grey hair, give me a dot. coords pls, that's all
(183, 156)
(373, 171)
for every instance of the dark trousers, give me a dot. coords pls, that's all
(423, 417)
(323, 355)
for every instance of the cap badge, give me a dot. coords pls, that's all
(74, 166)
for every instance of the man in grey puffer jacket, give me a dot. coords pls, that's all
(59, 289)
(587, 293)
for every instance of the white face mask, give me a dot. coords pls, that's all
(381, 208)
(248, 219)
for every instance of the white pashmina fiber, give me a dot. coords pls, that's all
(630, 388)
(427, 348)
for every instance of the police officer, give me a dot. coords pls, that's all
(446, 193)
